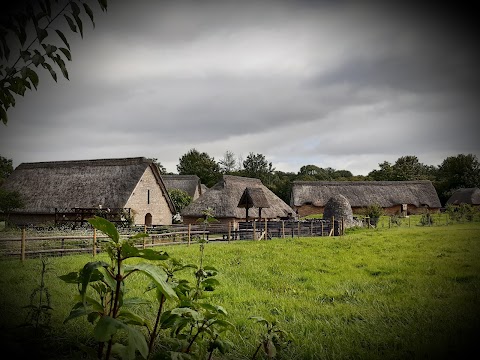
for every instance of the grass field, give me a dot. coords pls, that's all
(385, 293)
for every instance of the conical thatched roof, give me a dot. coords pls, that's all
(339, 208)
(45, 186)
(253, 197)
(225, 196)
(189, 183)
(364, 193)
(465, 196)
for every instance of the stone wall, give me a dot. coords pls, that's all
(148, 198)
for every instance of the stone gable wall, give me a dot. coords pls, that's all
(157, 206)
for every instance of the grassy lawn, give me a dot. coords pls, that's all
(385, 293)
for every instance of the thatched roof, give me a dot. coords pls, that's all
(364, 193)
(465, 196)
(189, 183)
(253, 197)
(45, 186)
(225, 196)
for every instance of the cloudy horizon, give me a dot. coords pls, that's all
(338, 84)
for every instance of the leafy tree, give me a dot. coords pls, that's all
(9, 201)
(179, 198)
(228, 164)
(461, 171)
(31, 26)
(406, 168)
(6, 168)
(200, 164)
(384, 174)
(257, 166)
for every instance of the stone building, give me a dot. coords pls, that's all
(126, 189)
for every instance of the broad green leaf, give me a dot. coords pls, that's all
(103, 4)
(61, 65)
(79, 23)
(129, 251)
(107, 327)
(49, 68)
(187, 312)
(89, 273)
(75, 8)
(3, 115)
(41, 34)
(64, 39)
(132, 318)
(66, 53)
(77, 311)
(70, 23)
(71, 278)
(157, 275)
(106, 227)
(89, 12)
(32, 75)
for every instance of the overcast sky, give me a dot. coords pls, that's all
(341, 84)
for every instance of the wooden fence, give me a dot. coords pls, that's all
(28, 244)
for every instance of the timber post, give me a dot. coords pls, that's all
(94, 242)
(23, 245)
(189, 233)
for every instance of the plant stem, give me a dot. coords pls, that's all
(153, 335)
(119, 280)
(256, 351)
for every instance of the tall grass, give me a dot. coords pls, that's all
(385, 293)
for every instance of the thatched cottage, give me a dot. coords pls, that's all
(58, 189)
(469, 196)
(410, 197)
(232, 196)
(191, 184)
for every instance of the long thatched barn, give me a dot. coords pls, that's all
(410, 197)
(470, 196)
(72, 190)
(234, 198)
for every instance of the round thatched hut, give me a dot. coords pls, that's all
(339, 208)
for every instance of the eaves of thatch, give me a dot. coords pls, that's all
(225, 196)
(465, 196)
(363, 193)
(189, 183)
(45, 186)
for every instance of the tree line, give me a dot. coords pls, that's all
(460, 171)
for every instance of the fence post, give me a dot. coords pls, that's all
(322, 228)
(254, 230)
(343, 226)
(189, 233)
(229, 230)
(23, 245)
(266, 229)
(283, 229)
(94, 245)
(311, 227)
(298, 229)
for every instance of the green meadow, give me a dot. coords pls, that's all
(386, 293)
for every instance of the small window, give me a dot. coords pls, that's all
(148, 196)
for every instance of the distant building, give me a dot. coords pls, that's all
(72, 190)
(228, 198)
(409, 197)
(190, 184)
(469, 196)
